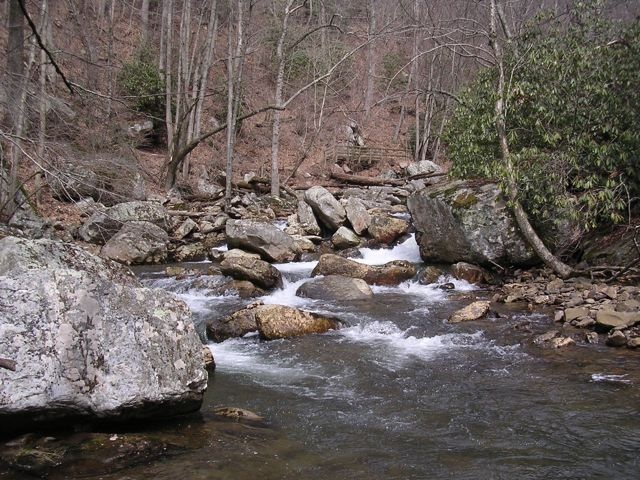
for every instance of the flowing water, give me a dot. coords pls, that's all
(401, 394)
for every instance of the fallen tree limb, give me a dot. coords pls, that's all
(366, 181)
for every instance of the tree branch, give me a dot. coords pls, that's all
(41, 44)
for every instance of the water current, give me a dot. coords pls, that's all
(401, 394)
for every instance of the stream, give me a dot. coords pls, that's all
(401, 394)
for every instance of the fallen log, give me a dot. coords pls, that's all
(367, 181)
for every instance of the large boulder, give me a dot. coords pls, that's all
(236, 325)
(87, 347)
(391, 273)
(102, 225)
(137, 243)
(465, 222)
(279, 321)
(329, 210)
(357, 215)
(257, 271)
(307, 219)
(271, 243)
(424, 167)
(335, 288)
(386, 229)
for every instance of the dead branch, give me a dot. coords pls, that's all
(366, 181)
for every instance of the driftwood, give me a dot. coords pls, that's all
(426, 175)
(184, 213)
(8, 364)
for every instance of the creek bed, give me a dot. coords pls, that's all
(400, 393)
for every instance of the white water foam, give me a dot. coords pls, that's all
(407, 250)
(301, 268)
(402, 345)
(287, 295)
(609, 378)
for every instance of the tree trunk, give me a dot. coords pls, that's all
(275, 133)
(371, 59)
(15, 57)
(522, 218)
(144, 21)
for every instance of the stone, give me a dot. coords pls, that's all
(257, 271)
(575, 313)
(303, 244)
(271, 243)
(137, 243)
(545, 337)
(560, 342)
(237, 252)
(327, 209)
(191, 252)
(592, 337)
(345, 238)
(279, 321)
(554, 286)
(236, 325)
(616, 339)
(386, 229)
(307, 219)
(185, 228)
(473, 311)
(459, 221)
(470, 273)
(424, 167)
(209, 362)
(357, 215)
(88, 348)
(429, 275)
(335, 288)
(102, 225)
(634, 342)
(608, 319)
(630, 305)
(585, 322)
(391, 273)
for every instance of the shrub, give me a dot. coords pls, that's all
(141, 80)
(573, 110)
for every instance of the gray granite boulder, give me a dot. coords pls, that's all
(88, 342)
(464, 222)
(137, 243)
(328, 210)
(271, 243)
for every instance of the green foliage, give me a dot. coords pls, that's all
(299, 65)
(573, 119)
(141, 80)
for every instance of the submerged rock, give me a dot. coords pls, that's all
(471, 273)
(271, 243)
(279, 321)
(429, 275)
(473, 311)
(335, 288)
(462, 222)
(87, 347)
(328, 210)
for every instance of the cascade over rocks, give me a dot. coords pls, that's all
(462, 222)
(335, 288)
(89, 343)
(137, 243)
(257, 271)
(328, 210)
(271, 243)
(102, 225)
(391, 273)
(278, 321)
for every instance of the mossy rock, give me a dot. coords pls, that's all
(465, 200)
